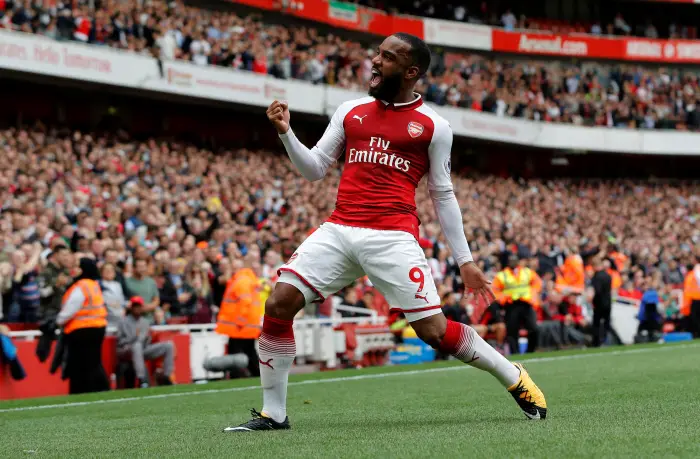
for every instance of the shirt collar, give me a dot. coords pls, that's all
(415, 103)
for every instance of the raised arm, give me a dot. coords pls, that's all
(312, 163)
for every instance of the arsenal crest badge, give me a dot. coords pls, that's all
(415, 129)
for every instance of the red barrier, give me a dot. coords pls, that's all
(262, 4)
(599, 47)
(359, 18)
(345, 15)
(40, 383)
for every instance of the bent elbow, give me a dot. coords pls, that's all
(314, 176)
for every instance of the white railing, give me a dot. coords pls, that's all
(626, 301)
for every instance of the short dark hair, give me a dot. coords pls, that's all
(59, 248)
(420, 52)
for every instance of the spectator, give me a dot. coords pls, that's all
(219, 274)
(167, 43)
(113, 294)
(111, 256)
(143, 286)
(25, 283)
(493, 321)
(134, 344)
(648, 316)
(453, 310)
(196, 229)
(350, 299)
(621, 26)
(177, 296)
(602, 303)
(204, 309)
(54, 280)
(367, 300)
(509, 20)
(5, 287)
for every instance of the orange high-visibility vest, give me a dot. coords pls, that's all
(536, 291)
(691, 292)
(571, 275)
(616, 279)
(620, 260)
(93, 313)
(241, 311)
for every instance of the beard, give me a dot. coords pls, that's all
(388, 89)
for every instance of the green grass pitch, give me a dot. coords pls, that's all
(642, 401)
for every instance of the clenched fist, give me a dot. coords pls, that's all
(278, 114)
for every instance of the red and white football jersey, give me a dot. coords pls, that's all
(388, 149)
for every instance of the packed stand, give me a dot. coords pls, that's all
(628, 96)
(480, 12)
(167, 223)
(622, 96)
(171, 223)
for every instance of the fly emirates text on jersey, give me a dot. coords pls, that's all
(378, 156)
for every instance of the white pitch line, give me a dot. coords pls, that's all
(339, 379)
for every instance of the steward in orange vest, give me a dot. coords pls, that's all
(240, 318)
(83, 316)
(240, 314)
(690, 309)
(571, 276)
(92, 312)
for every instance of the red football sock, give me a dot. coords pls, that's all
(277, 353)
(465, 344)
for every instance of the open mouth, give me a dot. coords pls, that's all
(376, 79)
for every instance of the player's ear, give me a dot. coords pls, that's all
(412, 72)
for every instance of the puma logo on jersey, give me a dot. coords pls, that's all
(360, 118)
(422, 297)
(267, 364)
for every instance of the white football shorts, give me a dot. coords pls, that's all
(334, 256)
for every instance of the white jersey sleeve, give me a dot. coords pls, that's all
(440, 152)
(442, 194)
(314, 163)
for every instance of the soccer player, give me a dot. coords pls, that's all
(390, 140)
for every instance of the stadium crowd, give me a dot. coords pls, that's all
(636, 96)
(498, 15)
(171, 223)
